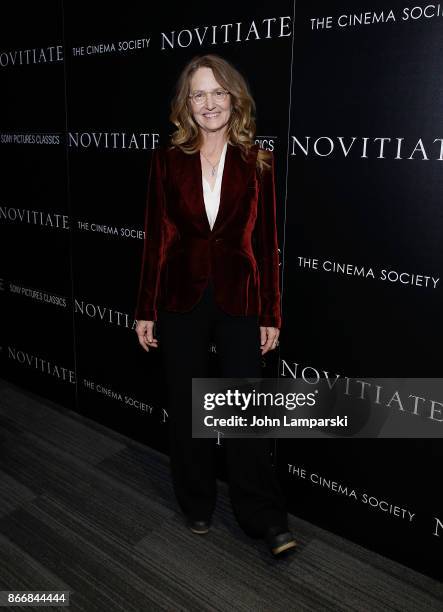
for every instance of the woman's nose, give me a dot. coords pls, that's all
(209, 104)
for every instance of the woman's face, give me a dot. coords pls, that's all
(212, 115)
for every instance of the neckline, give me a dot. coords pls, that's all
(219, 174)
(230, 156)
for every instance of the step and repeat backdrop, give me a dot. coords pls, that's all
(350, 100)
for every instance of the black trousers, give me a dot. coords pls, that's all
(184, 341)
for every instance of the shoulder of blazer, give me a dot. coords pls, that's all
(170, 151)
(172, 156)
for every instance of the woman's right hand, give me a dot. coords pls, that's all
(145, 333)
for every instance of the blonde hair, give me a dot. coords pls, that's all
(241, 127)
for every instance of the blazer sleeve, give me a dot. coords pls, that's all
(266, 250)
(154, 240)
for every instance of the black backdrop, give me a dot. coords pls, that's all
(349, 98)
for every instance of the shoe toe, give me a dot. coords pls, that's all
(279, 540)
(198, 526)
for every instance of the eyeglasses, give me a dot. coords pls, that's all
(199, 97)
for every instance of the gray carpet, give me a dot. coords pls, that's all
(89, 511)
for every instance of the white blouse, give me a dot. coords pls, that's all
(212, 198)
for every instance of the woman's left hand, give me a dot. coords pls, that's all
(268, 339)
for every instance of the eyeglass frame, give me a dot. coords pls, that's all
(208, 92)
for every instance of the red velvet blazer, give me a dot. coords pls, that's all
(181, 252)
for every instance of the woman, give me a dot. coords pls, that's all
(210, 271)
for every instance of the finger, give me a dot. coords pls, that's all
(267, 346)
(274, 343)
(153, 342)
(143, 343)
(263, 336)
(264, 339)
(272, 339)
(143, 339)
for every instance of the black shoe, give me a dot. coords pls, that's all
(279, 540)
(201, 526)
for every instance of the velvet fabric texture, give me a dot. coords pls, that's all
(181, 252)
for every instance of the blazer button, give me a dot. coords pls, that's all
(218, 240)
